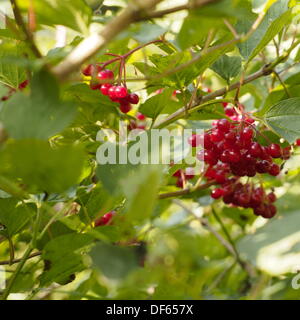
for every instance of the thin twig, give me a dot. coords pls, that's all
(8, 262)
(27, 34)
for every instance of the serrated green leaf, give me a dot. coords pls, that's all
(284, 119)
(227, 66)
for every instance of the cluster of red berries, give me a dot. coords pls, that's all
(247, 196)
(231, 151)
(11, 91)
(105, 219)
(102, 79)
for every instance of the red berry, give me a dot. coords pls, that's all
(220, 176)
(217, 193)
(274, 170)
(120, 92)
(112, 93)
(229, 111)
(179, 182)
(262, 166)
(271, 197)
(217, 135)
(298, 142)
(105, 87)
(23, 84)
(133, 98)
(274, 150)
(104, 220)
(125, 107)
(140, 116)
(105, 75)
(194, 140)
(247, 133)
(177, 173)
(223, 125)
(255, 150)
(230, 156)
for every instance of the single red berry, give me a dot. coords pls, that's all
(247, 133)
(217, 193)
(272, 197)
(125, 107)
(220, 176)
(274, 150)
(23, 84)
(140, 116)
(286, 153)
(105, 75)
(179, 182)
(223, 125)
(112, 93)
(104, 220)
(120, 92)
(229, 111)
(262, 166)
(230, 156)
(224, 104)
(177, 173)
(217, 135)
(194, 140)
(274, 170)
(255, 150)
(105, 87)
(298, 142)
(133, 98)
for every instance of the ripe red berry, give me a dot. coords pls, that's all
(217, 135)
(105, 220)
(105, 87)
(255, 149)
(230, 156)
(229, 111)
(271, 197)
(177, 173)
(247, 133)
(125, 107)
(179, 182)
(217, 193)
(274, 150)
(133, 98)
(23, 84)
(112, 93)
(105, 75)
(194, 140)
(262, 166)
(140, 116)
(223, 125)
(298, 142)
(274, 170)
(120, 92)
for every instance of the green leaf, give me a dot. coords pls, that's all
(227, 66)
(274, 248)
(14, 216)
(41, 115)
(115, 262)
(11, 74)
(74, 14)
(66, 248)
(284, 119)
(40, 167)
(141, 187)
(145, 32)
(275, 19)
(155, 105)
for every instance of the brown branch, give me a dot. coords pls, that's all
(8, 262)
(196, 4)
(185, 191)
(27, 34)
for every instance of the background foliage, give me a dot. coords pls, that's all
(157, 247)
